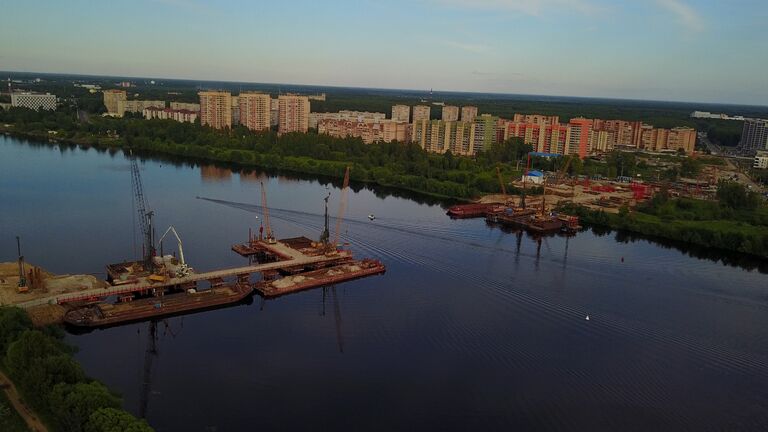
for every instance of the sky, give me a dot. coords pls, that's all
(681, 50)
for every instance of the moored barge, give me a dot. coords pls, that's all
(326, 276)
(107, 314)
(464, 211)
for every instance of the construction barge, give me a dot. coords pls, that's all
(466, 211)
(162, 285)
(303, 281)
(104, 314)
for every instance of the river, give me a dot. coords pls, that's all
(471, 328)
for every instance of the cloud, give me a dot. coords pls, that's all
(528, 7)
(684, 13)
(474, 48)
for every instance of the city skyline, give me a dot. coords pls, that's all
(690, 51)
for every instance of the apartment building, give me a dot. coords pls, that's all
(34, 101)
(450, 113)
(361, 116)
(185, 106)
(293, 114)
(274, 112)
(216, 109)
(235, 110)
(421, 112)
(401, 113)
(468, 113)
(111, 99)
(653, 139)
(754, 135)
(179, 115)
(368, 132)
(761, 160)
(578, 136)
(137, 106)
(485, 132)
(255, 111)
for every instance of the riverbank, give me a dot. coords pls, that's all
(52, 387)
(728, 235)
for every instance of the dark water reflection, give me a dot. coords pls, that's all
(471, 328)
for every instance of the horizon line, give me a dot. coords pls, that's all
(391, 89)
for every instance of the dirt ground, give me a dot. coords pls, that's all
(50, 284)
(577, 194)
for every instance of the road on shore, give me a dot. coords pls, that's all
(33, 421)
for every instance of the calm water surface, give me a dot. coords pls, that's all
(471, 328)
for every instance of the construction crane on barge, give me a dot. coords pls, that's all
(342, 207)
(144, 213)
(265, 220)
(183, 269)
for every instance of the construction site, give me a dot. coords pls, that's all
(160, 284)
(536, 212)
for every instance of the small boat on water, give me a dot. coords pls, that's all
(371, 217)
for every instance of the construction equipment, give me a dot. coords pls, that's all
(265, 213)
(342, 207)
(501, 184)
(326, 234)
(22, 287)
(183, 269)
(145, 215)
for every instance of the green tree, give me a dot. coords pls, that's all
(73, 404)
(115, 420)
(13, 322)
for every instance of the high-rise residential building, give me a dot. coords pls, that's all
(754, 135)
(235, 110)
(274, 112)
(111, 100)
(450, 113)
(421, 112)
(439, 136)
(293, 114)
(577, 141)
(255, 111)
(185, 106)
(401, 113)
(468, 113)
(485, 132)
(34, 101)
(216, 109)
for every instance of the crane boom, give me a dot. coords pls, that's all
(142, 208)
(342, 207)
(183, 268)
(265, 214)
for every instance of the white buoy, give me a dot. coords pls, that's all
(587, 318)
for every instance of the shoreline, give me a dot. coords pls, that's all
(610, 222)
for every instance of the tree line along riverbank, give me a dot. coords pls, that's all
(404, 166)
(51, 381)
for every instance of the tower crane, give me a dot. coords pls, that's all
(144, 213)
(183, 269)
(265, 213)
(342, 207)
